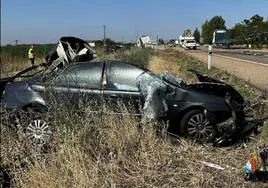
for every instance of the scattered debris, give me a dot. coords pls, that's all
(254, 53)
(212, 165)
(256, 168)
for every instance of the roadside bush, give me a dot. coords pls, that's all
(139, 56)
(21, 51)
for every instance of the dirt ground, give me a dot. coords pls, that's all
(253, 73)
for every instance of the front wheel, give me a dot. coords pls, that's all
(196, 126)
(35, 126)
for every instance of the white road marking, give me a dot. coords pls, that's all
(253, 62)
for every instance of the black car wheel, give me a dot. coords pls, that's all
(195, 125)
(35, 125)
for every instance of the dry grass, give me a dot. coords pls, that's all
(11, 65)
(118, 151)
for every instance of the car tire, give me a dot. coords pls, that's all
(195, 125)
(34, 124)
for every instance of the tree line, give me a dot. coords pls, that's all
(252, 31)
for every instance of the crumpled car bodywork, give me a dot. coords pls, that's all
(153, 90)
(70, 49)
(210, 101)
(230, 120)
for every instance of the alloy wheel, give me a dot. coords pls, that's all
(200, 128)
(38, 131)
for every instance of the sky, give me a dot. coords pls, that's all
(45, 21)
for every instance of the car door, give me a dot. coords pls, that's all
(79, 85)
(120, 86)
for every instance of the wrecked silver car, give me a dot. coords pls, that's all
(207, 111)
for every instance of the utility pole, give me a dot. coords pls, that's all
(104, 35)
(16, 42)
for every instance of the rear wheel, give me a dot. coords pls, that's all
(196, 126)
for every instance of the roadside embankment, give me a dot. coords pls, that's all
(254, 73)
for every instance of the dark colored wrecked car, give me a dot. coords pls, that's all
(210, 110)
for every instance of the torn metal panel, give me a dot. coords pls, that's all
(70, 49)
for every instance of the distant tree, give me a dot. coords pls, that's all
(205, 32)
(238, 34)
(217, 22)
(187, 33)
(197, 35)
(161, 41)
(265, 27)
(251, 31)
(266, 32)
(256, 29)
(110, 42)
(172, 41)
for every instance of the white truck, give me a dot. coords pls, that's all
(144, 41)
(183, 38)
(189, 44)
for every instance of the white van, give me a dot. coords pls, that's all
(189, 44)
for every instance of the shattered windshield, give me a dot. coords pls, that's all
(172, 79)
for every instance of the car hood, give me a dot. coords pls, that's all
(214, 86)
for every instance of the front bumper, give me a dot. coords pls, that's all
(238, 126)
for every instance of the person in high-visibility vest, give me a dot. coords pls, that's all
(31, 55)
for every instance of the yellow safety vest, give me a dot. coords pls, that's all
(30, 53)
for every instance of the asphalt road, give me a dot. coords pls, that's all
(244, 54)
(230, 61)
